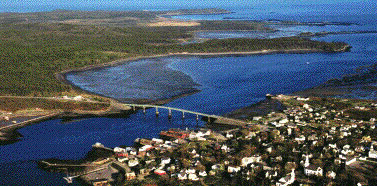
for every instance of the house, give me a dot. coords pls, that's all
(144, 172)
(182, 176)
(157, 141)
(130, 175)
(248, 160)
(233, 169)
(122, 159)
(203, 173)
(283, 121)
(165, 161)
(192, 177)
(174, 134)
(302, 99)
(287, 180)
(306, 163)
(160, 172)
(313, 170)
(215, 167)
(300, 139)
(276, 124)
(347, 150)
(98, 145)
(372, 153)
(348, 159)
(118, 149)
(332, 145)
(271, 174)
(190, 171)
(331, 174)
(200, 134)
(100, 182)
(120, 152)
(133, 163)
(145, 148)
(229, 135)
(359, 149)
(257, 118)
(225, 148)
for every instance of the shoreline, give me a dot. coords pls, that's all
(61, 76)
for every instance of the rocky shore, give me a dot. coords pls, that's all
(360, 85)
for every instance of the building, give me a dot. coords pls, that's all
(248, 160)
(160, 172)
(372, 153)
(287, 180)
(130, 175)
(233, 169)
(313, 170)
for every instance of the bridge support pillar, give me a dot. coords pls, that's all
(209, 119)
(197, 117)
(183, 115)
(170, 114)
(144, 110)
(133, 108)
(157, 113)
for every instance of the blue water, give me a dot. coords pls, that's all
(227, 83)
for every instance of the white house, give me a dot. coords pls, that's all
(283, 121)
(225, 148)
(233, 169)
(331, 174)
(165, 161)
(157, 141)
(133, 163)
(145, 148)
(193, 177)
(203, 173)
(119, 150)
(349, 159)
(182, 176)
(78, 98)
(287, 180)
(248, 160)
(215, 167)
(190, 171)
(372, 153)
(313, 170)
(300, 138)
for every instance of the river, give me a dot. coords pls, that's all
(226, 83)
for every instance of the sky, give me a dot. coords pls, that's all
(48, 5)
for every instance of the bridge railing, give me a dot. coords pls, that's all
(209, 116)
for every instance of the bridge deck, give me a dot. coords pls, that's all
(229, 120)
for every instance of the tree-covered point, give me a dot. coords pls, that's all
(31, 54)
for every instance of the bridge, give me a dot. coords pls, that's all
(28, 122)
(210, 118)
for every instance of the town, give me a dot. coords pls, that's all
(314, 141)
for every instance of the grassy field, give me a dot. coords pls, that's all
(17, 104)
